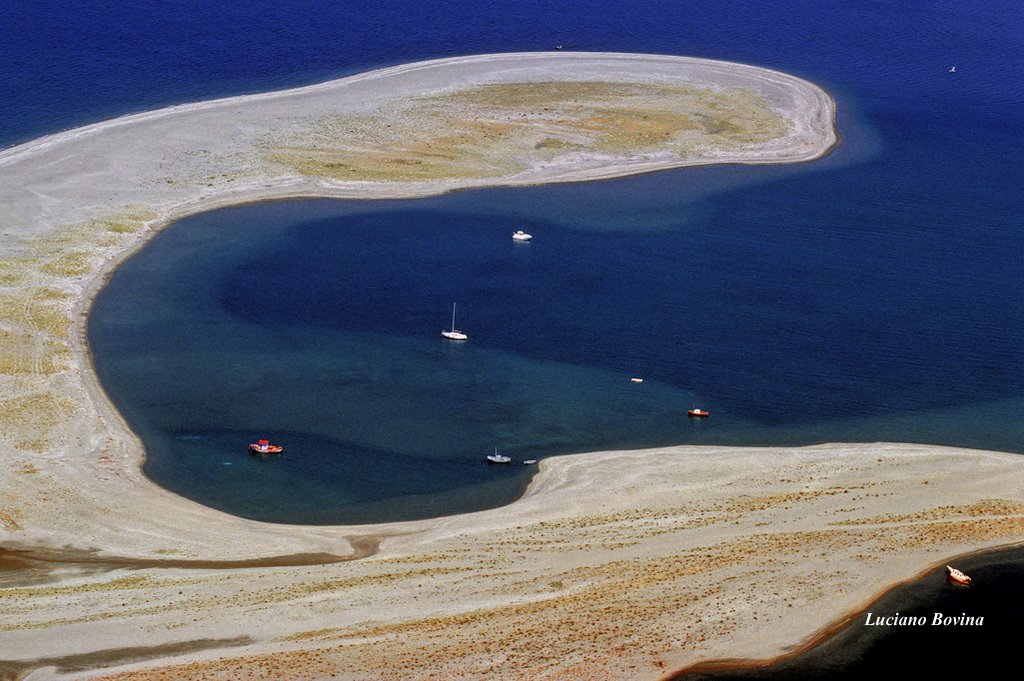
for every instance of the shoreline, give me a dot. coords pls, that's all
(835, 627)
(112, 658)
(7, 154)
(652, 519)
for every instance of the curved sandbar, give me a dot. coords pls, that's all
(625, 564)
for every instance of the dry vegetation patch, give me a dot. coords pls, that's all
(31, 419)
(24, 353)
(37, 296)
(500, 129)
(985, 507)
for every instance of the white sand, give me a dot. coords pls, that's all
(625, 564)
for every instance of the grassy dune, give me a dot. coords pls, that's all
(499, 129)
(37, 294)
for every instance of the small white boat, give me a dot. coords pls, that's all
(520, 235)
(636, 379)
(454, 334)
(952, 69)
(954, 576)
(530, 462)
(498, 458)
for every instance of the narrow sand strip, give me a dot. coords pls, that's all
(615, 565)
(625, 564)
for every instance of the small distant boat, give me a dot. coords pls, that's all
(636, 379)
(698, 413)
(952, 69)
(264, 447)
(530, 462)
(454, 334)
(520, 235)
(954, 576)
(498, 458)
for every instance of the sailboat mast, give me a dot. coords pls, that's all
(453, 316)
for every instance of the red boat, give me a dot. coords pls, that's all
(264, 447)
(699, 413)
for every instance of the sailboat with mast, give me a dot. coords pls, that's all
(454, 334)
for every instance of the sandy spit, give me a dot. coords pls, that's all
(626, 564)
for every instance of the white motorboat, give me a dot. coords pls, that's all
(520, 235)
(498, 458)
(454, 334)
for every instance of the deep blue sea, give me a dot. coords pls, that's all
(873, 295)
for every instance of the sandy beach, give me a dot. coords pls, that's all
(624, 564)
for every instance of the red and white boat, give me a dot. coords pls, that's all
(954, 576)
(264, 447)
(698, 413)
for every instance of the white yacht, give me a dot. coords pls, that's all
(520, 235)
(498, 458)
(454, 334)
